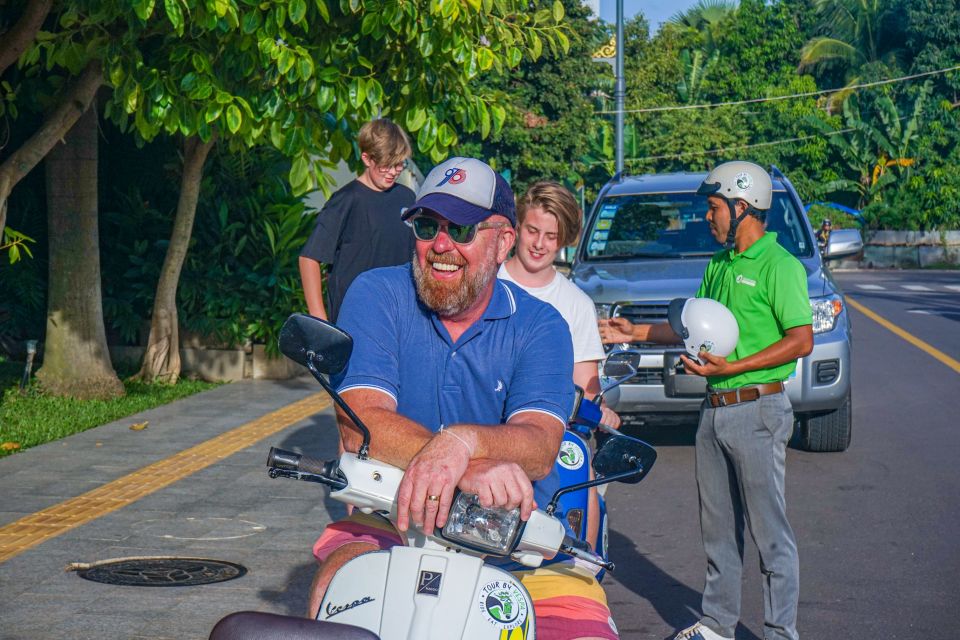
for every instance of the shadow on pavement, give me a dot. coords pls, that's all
(292, 600)
(677, 604)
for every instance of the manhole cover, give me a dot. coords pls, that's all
(162, 572)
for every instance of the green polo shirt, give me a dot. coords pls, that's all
(766, 289)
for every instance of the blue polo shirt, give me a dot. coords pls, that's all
(517, 357)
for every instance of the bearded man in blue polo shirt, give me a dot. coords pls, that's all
(464, 381)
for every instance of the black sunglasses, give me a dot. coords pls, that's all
(427, 228)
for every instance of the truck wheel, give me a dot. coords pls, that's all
(825, 432)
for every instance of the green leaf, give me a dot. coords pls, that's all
(174, 14)
(305, 67)
(251, 21)
(144, 8)
(277, 136)
(484, 120)
(536, 46)
(329, 74)
(356, 92)
(325, 98)
(299, 171)
(558, 10)
(499, 115)
(446, 135)
(323, 10)
(234, 118)
(476, 5)
(297, 10)
(285, 61)
(485, 58)
(564, 41)
(415, 119)
(370, 22)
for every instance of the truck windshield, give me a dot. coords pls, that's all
(673, 225)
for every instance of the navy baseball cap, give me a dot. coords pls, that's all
(465, 191)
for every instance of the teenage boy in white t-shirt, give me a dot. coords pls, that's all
(548, 218)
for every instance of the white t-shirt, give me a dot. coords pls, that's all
(577, 309)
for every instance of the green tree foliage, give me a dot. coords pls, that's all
(549, 110)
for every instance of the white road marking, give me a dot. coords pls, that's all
(871, 287)
(916, 287)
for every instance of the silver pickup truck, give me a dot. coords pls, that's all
(646, 241)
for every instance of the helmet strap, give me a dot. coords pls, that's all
(735, 220)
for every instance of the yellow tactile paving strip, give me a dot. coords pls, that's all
(27, 532)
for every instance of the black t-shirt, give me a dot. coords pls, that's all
(359, 229)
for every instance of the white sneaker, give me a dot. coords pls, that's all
(699, 632)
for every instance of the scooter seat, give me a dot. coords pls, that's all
(256, 625)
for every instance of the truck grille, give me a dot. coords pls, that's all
(646, 312)
(647, 376)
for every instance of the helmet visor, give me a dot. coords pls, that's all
(708, 188)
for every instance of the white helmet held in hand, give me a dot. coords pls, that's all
(740, 180)
(704, 325)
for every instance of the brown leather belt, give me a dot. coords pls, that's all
(742, 394)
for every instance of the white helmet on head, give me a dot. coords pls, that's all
(704, 325)
(740, 180)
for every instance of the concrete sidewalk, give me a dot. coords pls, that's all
(228, 510)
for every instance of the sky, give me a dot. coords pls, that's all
(656, 11)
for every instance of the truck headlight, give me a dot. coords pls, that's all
(491, 530)
(826, 310)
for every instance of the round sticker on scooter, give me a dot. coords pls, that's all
(570, 456)
(503, 604)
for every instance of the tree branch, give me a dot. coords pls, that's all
(55, 126)
(18, 38)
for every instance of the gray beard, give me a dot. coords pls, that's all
(451, 300)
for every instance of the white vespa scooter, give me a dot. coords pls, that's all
(436, 586)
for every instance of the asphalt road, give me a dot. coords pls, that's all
(876, 525)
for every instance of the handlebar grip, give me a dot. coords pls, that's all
(313, 465)
(290, 461)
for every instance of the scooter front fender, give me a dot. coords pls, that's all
(408, 593)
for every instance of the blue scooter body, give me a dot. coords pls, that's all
(574, 466)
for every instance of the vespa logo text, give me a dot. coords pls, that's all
(333, 609)
(453, 176)
(429, 583)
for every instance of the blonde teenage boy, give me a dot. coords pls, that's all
(548, 219)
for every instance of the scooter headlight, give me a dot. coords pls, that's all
(491, 530)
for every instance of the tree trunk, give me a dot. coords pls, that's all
(21, 35)
(161, 362)
(75, 360)
(75, 103)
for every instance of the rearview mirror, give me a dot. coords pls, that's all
(620, 366)
(621, 454)
(843, 243)
(331, 346)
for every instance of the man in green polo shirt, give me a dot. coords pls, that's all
(746, 418)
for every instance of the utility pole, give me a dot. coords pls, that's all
(620, 88)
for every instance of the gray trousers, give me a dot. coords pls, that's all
(741, 455)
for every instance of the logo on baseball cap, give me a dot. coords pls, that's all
(465, 191)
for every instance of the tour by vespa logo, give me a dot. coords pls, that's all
(570, 457)
(453, 175)
(742, 279)
(429, 583)
(503, 604)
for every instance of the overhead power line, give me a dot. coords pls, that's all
(789, 97)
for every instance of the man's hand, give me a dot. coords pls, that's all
(500, 484)
(609, 417)
(616, 330)
(434, 471)
(715, 365)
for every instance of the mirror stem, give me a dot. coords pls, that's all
(364, 451)
(593, 483)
